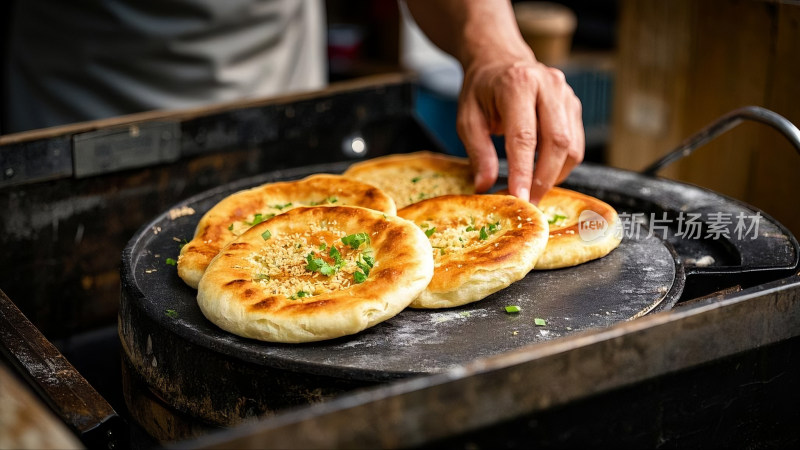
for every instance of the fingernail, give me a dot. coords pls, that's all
(525, 194)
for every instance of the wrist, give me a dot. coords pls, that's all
(491, 39)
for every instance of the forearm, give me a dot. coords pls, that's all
(471, 30)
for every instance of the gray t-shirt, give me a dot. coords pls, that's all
(79, 60)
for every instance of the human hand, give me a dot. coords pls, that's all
(534, 107)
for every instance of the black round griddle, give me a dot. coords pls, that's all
(639, 276)
(632, 280)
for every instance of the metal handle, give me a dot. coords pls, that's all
(723, 124)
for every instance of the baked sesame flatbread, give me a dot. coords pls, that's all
(316, 273)
(582, 228)
(409, 178)
(481, 244)
(236, 213)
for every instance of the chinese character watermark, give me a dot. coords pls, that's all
(713, 226)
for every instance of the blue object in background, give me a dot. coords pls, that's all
(593, 87)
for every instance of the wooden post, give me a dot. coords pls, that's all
(684, 63)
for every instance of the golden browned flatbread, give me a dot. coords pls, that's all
(582, 228)
(409, 178)
(481, 244)
(238, 212)
(316, 273)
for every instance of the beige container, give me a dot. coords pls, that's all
(547, 28)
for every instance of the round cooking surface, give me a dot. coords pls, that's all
(640, 275)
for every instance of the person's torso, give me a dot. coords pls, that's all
(82, 60)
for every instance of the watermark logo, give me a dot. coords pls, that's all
(690, 226)
(591, 226)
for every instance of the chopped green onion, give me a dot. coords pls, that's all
(415, 179)
(556, 218)
(318, 265)
(539, 322)
(331, 199)
(261, 276)
(338, 261)
(281, 207)
(327, 270)
(470, 228)
(230, 227)
(355, 240)
(364, 267)
(323, 247)
(182, 244)
(171, 262)
(511, 309)
(171, 313)
(300, 294)
(484, 235)
(266, 235)
(257, 219)
(359, 277)
(313, 263)
(322, 266)
(369, 260)
(430, 231)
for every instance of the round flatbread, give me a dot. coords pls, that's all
(409, 178)
(582, 228)
(316, 273)
(481, 244)
(236, 213)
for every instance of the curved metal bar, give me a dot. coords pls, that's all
(723, 124)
